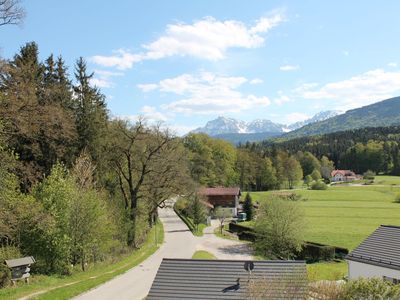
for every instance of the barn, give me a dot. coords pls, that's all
(222, 197)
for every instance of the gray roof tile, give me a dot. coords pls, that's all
(381, 248)
(217, 279)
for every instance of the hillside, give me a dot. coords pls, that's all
(384, 113)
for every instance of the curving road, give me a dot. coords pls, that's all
(179, 243)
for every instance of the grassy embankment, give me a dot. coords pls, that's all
(66, 287)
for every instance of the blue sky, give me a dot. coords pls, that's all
(187, 62)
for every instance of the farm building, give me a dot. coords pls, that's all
(229, 279)
(222, 197)
(343, 176)
(377, 256)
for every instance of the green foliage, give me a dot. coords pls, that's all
(318, 185)
(369, 175)
(308, 162)
(316, 175)
(279, 228)
(5, 275)
(289, 169)
(374, 288)
(212, 161)
(248, 207)
(308, 179)
(198, 212)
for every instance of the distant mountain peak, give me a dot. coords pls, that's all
(224, 125)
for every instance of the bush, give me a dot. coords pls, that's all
(369, 175)
(318, 185)
(5, 275)
(374, 288)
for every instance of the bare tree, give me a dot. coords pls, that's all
(149, 164)
(11, 12)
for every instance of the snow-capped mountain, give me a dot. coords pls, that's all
(222, 125)
(321, 116)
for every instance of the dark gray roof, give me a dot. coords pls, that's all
(218, 279)
(24, 261)
(381, 248)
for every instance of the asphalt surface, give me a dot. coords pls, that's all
(178, 243)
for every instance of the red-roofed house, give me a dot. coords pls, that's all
(343, 176)
(223, 197)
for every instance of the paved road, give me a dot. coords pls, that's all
(179, 243)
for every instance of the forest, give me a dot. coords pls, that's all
(76, 186)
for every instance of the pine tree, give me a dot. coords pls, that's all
(90, 109)
(248, 207)
(197, 211)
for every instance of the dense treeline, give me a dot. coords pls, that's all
(375, 149)
(76, 186)
(216, 162)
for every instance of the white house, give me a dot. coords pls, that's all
(377, 256)
(343, 176)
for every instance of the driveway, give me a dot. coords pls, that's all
(179, 243)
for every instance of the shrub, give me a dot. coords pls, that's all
(374, 288)
(318, 185)
(5, 275)
(369, 175)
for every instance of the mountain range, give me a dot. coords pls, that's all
(223, 125)
(383, 113)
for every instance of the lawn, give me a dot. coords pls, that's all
(387, 180)
(345, 215)
(66, 287)
(201, 254)
(327, 270)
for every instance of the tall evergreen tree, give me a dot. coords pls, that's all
(90, 110)
(248, 207)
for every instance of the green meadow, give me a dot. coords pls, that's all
(345, 215)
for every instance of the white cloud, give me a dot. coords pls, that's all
(256, 81)
(207, 38)
(121, 59)
(102, 79)
(346, 52)
(356, 91)
(282, 98)
(208, 93)
(392, 64)
(101, 83)
(295, 117)
(286, 68)
(147, 87)
(151, 114)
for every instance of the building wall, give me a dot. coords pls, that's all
(357, 269)
(225, 201)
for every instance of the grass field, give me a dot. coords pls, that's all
(201, 254)
(345, 215)
(66, 287)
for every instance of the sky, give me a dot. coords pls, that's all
(187, 62)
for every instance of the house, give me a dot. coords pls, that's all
(222, 197)
(229, 279)
(343, 176)
(377, 256)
